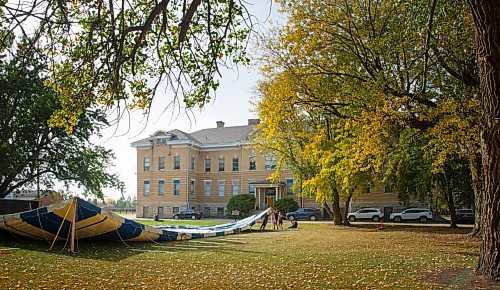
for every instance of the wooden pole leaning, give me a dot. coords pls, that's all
(59, 230)
(73, 225)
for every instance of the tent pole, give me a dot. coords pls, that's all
(73, 225)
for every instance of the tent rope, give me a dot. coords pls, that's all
(57, 234)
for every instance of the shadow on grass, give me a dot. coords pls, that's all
(413, 229)
(106, 250)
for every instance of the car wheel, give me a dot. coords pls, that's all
(397, 219)
(291, 218)
(176, 217)
(423, 219)
(375, 218)
(193, 217)
(313, 218)
(352, 219)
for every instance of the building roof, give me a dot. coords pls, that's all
(205, 137)
(223, 134)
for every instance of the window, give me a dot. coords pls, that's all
(270, 162)
(235, 187)
(145, 211)
(146, 163)
(235, 164)
(161, 163)
(191, 190)
(177, 186)
(220, 187)
(192, 163)
(206, 212)
(251, 189)
(161, 141)
(208, 187)
(220, 212)
(160, 212)
(161, 187)
(146, 187)
(368, 188)
(221, 164)
(175, 209)
(252, 162)
(177, 162)
(289, 186)
(207, 165)
(388, 187)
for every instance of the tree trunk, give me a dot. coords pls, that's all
(328, 210)
(451, 206)
(337, 215)
(346, 211)
(486, 14)
(477, 187)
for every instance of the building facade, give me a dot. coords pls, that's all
(203, 169)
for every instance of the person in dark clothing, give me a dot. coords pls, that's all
(264, 222)
(275, 220)
(295, 225)
(280, 220)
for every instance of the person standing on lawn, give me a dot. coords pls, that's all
(265, 218)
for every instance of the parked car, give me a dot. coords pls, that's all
(465, 216)
(418, 214)
(312, 214)
(374, 214)
(188, 214)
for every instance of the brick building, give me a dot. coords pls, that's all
(202, 170)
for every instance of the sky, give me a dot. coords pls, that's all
(231, 105)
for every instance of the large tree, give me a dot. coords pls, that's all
(32, 151)
(117, 54)
(487, 23)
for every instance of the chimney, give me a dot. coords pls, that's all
(220, 124)
(253, 122)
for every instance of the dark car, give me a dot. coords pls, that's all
(304, 214)
(188, 214)
(465, 216)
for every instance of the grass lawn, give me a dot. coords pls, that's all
(317, 256)
(203, 222)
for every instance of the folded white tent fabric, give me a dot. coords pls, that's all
(91, 222)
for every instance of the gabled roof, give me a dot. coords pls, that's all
(223, 134)
(205, 137)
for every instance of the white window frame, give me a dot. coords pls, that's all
(192, 184)
(289, 189)
(177, 160)
(219, 183)
(177, 191)
(209, 187)
(146, 184)
(270, 161)
(161, 165)
(223, 159)
(233, 184)
(161, 187)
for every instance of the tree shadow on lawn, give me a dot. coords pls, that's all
(94, 250)
(105, 250)
(412, 229)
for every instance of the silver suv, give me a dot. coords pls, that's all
(418, 214)
(374, 214)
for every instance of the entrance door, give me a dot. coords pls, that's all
(160, 212)
(270, 201)
(270, 195)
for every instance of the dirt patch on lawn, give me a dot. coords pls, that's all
(459, 279)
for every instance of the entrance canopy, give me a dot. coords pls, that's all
(267, 192)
